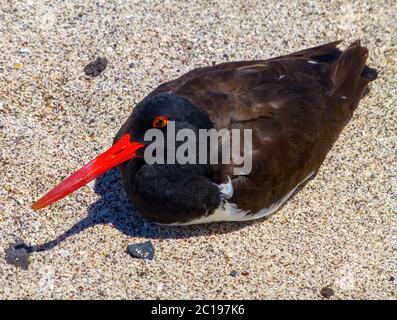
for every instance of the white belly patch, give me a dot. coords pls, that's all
(231, 212)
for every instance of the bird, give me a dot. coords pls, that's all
(295, 105)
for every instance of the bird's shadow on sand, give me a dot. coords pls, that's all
(113, 208)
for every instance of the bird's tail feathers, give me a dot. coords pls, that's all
(350, 74)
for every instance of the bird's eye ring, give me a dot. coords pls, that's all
(160, 122)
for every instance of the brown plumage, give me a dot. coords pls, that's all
(296, 105)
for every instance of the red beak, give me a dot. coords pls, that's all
(123, 150)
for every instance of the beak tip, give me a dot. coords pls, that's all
(36, 206)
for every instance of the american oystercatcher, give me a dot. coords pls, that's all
(295, 106)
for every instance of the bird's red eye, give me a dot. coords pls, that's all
(160, 122)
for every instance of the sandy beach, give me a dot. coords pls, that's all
(339, 232)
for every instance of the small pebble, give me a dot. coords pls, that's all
(143, 250)
(327, 292)
(17, 255)
(24, 51)
(64, 253)
(233, 273)
(391, 278)
(18, 66)
(245, 273)
(96, 67)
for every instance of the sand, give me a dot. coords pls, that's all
(339, 232)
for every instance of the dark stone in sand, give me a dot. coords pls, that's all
(17, 255)
(233, 273)
(143, 250)
(327, 292)
(96, 67)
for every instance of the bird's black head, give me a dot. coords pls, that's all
(168, 192)
(148, 114)
(169, 114)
